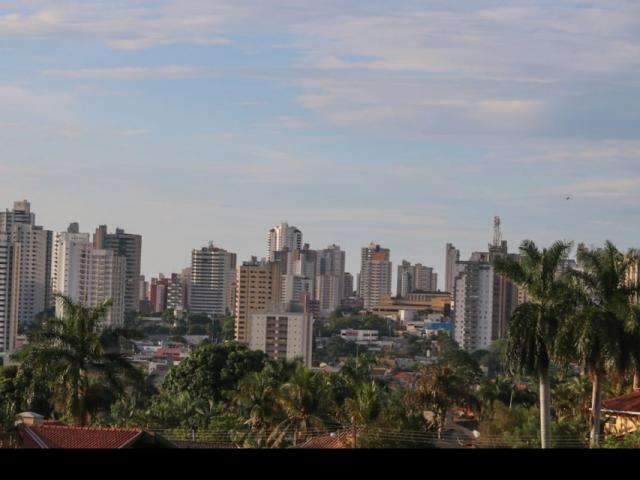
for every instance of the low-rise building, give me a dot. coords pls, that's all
(359, 336)
(282, 334)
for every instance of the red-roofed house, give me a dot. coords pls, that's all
(623, 413)
(341, 439)
(34, 432)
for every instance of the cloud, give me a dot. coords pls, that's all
(170, 72)
(121, 25)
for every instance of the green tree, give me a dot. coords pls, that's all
(534, 325)
(81, 358)
(306, 403)
(599, 334)
(211, 371)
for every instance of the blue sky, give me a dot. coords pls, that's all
(407, 123)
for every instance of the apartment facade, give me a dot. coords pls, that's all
(212, 274)
(258, 288)
(88, 275)
(283, 237)
(282, 335)
(129, 246)
(412, 278)
(25, 271)
(375, 275)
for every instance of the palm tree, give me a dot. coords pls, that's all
(438, 388)
(533, 327)
(598, 335)
(305, 403)
(77, 353)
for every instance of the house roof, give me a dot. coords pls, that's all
(52, 435)
(341, 439)
(629, 403)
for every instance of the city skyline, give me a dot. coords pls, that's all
(410, 125)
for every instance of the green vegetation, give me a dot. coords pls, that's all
(524, 391)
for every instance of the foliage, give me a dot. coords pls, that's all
(211, 370)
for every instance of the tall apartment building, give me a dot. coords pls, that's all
(375, 275)
(484, 300)
(175, 296)
(282, 334)
(258, 289)
(212, 272)
(185, 277)
(452, 255)
(412, 278)
(473, 300)
(348, 285)
(283, 236)
(330, 276)
(158, 289)
(25, 271)
(88, 275)
(129, 246)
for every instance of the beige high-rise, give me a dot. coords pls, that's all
(258, 288)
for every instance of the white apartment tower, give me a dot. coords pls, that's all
(88, 275)
(375, 274)
(473, 300)
(213, 272)
(283, 236)
(25, 271)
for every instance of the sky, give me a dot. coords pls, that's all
(407, 123)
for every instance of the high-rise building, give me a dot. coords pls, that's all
(175, 297)
(452, 255)
(282, 334)
(258, 289)
(375, 275)
(88, 275)
(283, 236)
(185, 277)
(107, 277)
(330, 276)
(25, 271)
(473, 301)
(348, 285)
(212, 271)
(412, 278)
(129, 246)
(158, 289)
(484, 300)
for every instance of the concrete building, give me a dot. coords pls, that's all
(258, 289)
(397, 308)
(283, 236)
(25, 271)
(452, 255)
(473, 300)
(88, 275)
(175, 296)
(359, 336)
(129, 246)
(412, 278)
(158, 288)
(330, 276)
(212, 272)
(483, 310)
(282, 334)
(348, 286)
(375, 275)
